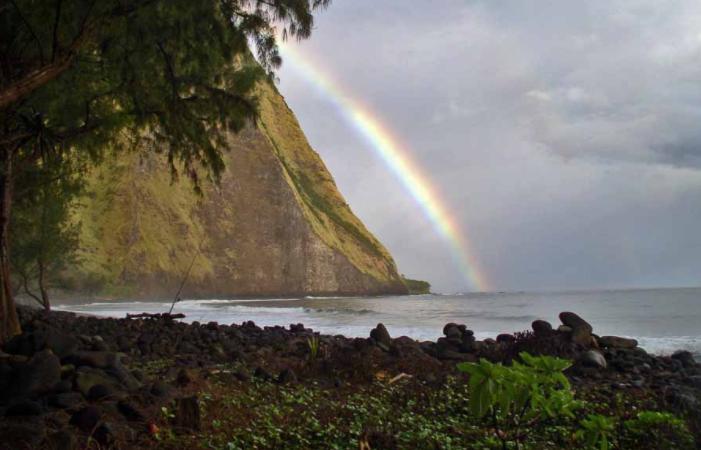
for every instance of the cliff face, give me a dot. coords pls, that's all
(276, 225)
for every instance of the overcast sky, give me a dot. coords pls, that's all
(564, 136)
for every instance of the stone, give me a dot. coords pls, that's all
(542, 328)
(286, 376)
(63, 386)
(505, 338)
(381, 336)
(130, 412)
(187, 414)
(24, 434)
(97, 359)
(451, 355)
(104, 435)
(86, 378)
(573, 321)
(160, 389)
(24, 408)
(99, 392)
(86, 419)
(38, 376)
(593, 358)
(564, 329)
(61, 344)
(66, 400)
(452, 330)
(184, 377)
(262, 374)
(582, 337)
(617, 342)
(62, 440)
(685, 357)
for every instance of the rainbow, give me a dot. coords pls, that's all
(396, 157)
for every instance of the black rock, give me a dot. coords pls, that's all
(581, 329)
(542, 328)
(452, 330)
(36, 377)
(104, 435)
(86, 419)
(99, 392)
(24, 408)
(62, 440)
(25, 434)
(161, 389)
(505, 338)
(287, 376)
(262, 374)
(130, 412)
(66, 400)
(381, 336)
(184, 377)
(685, 357)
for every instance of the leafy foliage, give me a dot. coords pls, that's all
(45, 237)
(417, 286)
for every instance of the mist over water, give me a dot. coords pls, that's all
(663, 320)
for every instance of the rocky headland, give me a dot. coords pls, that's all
(73, 382)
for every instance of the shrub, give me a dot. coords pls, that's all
(521, 395)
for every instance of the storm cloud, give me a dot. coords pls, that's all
(565, 137)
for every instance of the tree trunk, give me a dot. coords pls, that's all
(42, 286)
(9, 323)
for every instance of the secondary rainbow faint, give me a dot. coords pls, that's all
(397, 157)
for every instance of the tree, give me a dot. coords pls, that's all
(44, 238)
(85, 75)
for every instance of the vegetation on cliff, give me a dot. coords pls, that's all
(417, 286)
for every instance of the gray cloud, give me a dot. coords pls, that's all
(564, 136)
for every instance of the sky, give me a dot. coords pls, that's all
(564, 138)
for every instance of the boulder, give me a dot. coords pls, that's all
(505, 338)
(381, 337)
(685, 357)
(98, 359)
(573, 321)
(36, 377)
(24, 408)
(61, 344)
(452, 355)
(24, 434)
(542, 328)
(99, 392)
(593, 358)
(130, 412)
(286, 376)
(86, 378)
(581, 329)
(617, 342)
(86, 419)
(66, 400)
(62, 440)
(452, 330)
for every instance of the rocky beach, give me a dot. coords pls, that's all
(74, 381)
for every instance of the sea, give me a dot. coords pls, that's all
(662, 320)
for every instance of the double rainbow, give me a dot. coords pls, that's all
(396, 157)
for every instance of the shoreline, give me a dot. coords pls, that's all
(120, 368)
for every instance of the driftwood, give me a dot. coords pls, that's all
(161, 316)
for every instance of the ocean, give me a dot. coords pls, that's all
(662, 320)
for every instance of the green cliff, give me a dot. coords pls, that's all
(275, 225)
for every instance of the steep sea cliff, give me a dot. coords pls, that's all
(276, 224)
